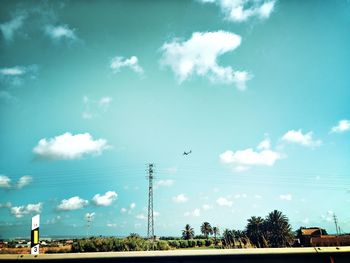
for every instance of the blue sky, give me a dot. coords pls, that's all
(90, 92)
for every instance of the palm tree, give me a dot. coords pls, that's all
(206, 229)
(255, 230)
(188, 232)
(227, 238)
(216, 232)
(278, 229)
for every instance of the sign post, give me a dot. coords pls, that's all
(34, 244)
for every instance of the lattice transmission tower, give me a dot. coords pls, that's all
(150, 228)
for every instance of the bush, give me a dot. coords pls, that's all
(163, 245)
(208, 242)
(191, 243)
(174, 243)
(183, 243)
(200, 242)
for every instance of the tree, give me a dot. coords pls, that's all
(255, 231)
(227, 238)
(188, 232)
(206, 229)
(278, 230)
(216, 232)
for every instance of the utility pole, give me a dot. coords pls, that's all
(150, 228)
(336, 223)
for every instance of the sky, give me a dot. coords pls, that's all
(91, 92)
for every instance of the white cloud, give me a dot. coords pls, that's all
(123, 210)
(23, 181)
(249, 157)
(8, 29)
(14, 71)
(93, 108)
(343, 125)
(195, 213)
(72, 203)
(206, 207)
(257, 196)
(242, 10)
(59, 32)
(141, 216)
(298, 137)
(181, 198)
(286, 197)
(222, 201)
(6, 205)
(20, 211)
(199, 55)
(69, 147)
(132, 205)
(111, 225)
(5, 182)
(156, 214)
(106, 199)
(119, 62)
(329, 216)
(167, 182)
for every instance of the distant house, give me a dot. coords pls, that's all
(318, 237)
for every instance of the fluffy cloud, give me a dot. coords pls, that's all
(181, 198)
(249, 157)
(242, 10)
(286, 197)
(343, 125)
(106, 199)
(119, 62)
(20, 211)
(5, 182)
(69, 147)
(23, 181)
(222, 201)
(8, 29)
(298, 137)
(199, 56)
(195, 213)
(59, 32)
(72, 203)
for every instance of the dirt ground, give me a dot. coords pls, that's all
(43, 250)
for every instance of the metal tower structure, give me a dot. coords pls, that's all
(150, 228)
(336, 223)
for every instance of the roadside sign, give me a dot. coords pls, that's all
(35, 235)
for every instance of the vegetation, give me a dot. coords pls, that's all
(272, 231)
(188, 232)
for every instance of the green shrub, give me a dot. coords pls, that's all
(174, 243)
(183, 243)
(200, 242)
(208, 242)
(163, 245)
(191, 243)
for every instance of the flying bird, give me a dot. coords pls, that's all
(187, 153)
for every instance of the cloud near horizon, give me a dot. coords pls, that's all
(20, 211)
(199, 56)
(69, 147)
(5, 182)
